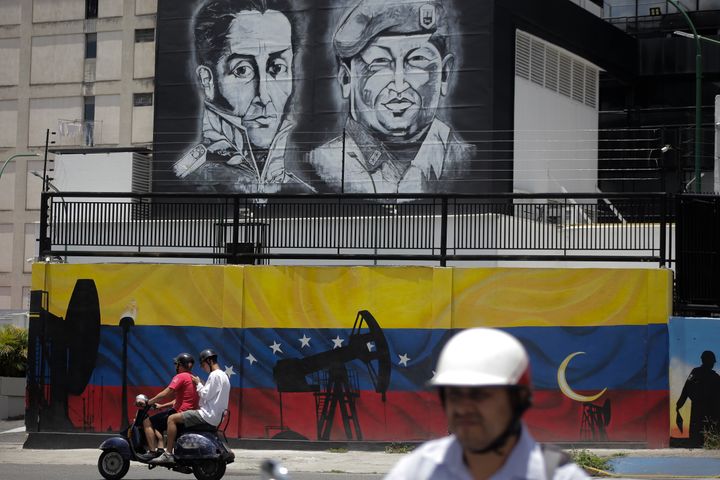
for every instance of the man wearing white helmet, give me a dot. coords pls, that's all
(483, 379)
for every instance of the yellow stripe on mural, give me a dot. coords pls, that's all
(183, 295)
(560, 297)
(330, 297)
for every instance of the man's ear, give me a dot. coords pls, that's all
(205, 77)
(447, 65)
(343, 78)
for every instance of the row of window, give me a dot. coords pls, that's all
(142, 35)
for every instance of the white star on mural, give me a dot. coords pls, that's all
(337, 342)
(370, 346)
(251, 359)
(229, 371)
(304, 341)
(404, 359)
(275, 347)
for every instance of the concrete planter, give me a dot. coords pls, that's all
(12, 397)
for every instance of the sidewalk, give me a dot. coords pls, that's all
(305, 461)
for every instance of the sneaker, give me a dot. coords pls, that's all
(165, 459)
(146, 457)
(158, 452)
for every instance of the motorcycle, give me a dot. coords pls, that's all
(200, 450)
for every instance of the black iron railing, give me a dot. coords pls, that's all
(405, 228)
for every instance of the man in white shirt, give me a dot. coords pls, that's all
(483, 379)
(214, 396)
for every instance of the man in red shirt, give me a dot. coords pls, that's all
(182, 390)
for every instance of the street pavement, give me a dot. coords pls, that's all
(20, 463)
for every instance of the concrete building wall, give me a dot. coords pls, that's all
(57, 59)
(57, 10)
(110, 8)
(109, 56)
(8, 120)
(144, 66)
(10, 60)
(45, 113)
(107, 113)
(10, 12)
(45, 78)
(142, 124)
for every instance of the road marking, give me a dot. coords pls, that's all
(14, 430)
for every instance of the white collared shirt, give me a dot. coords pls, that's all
(442, 459)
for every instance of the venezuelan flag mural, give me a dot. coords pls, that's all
(344, 353)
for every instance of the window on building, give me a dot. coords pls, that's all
(90, 45)
(91, 8)
(144, 35)
(142, 99)
(88, 124)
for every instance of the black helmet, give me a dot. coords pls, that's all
(206, 354)
(184, 359)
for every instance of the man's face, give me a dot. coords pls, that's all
(396, 84)
(254, 75)
(477, 416)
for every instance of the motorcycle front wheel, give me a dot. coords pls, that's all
(112, 465)
(208, 469)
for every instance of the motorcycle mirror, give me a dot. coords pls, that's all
(272, 470)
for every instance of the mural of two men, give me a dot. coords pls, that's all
(394, 66)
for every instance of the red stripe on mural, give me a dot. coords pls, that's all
(635, 416)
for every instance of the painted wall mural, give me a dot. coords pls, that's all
(344, 353)
(694, 383)
(370, 96)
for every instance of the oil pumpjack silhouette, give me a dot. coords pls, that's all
(334, 384)
(595, 419)
(62, 354)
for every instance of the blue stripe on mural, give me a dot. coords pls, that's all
(615, 356)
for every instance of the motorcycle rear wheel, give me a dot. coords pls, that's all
(112, 465)
(208, 469)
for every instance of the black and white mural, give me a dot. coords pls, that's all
(303, 96)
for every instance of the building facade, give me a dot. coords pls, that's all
(76, 74)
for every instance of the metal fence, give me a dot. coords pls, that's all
(412, 228)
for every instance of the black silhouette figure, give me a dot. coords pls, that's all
(702, 387)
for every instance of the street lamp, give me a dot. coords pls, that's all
(698, 90)
(15, 156)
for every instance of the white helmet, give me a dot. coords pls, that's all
(482, 357)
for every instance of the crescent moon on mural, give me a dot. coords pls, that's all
(565, 388)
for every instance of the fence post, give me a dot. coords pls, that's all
(443, 231)
(663, 228)
(235, 231)
(45, 244)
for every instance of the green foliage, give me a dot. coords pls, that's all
(338, 450)
(13, 351)
(399, 448)
(589, 460)
(711, 437)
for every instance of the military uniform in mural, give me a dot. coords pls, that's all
(395, 64)
(224, 160)
(370, 167)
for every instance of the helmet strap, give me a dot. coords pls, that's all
(512, 430)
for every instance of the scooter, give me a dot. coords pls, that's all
(201, 451)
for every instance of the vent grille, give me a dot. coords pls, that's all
(546, 65)
(141, 173)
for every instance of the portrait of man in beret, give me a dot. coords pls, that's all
(243, 67)
(394, 70)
